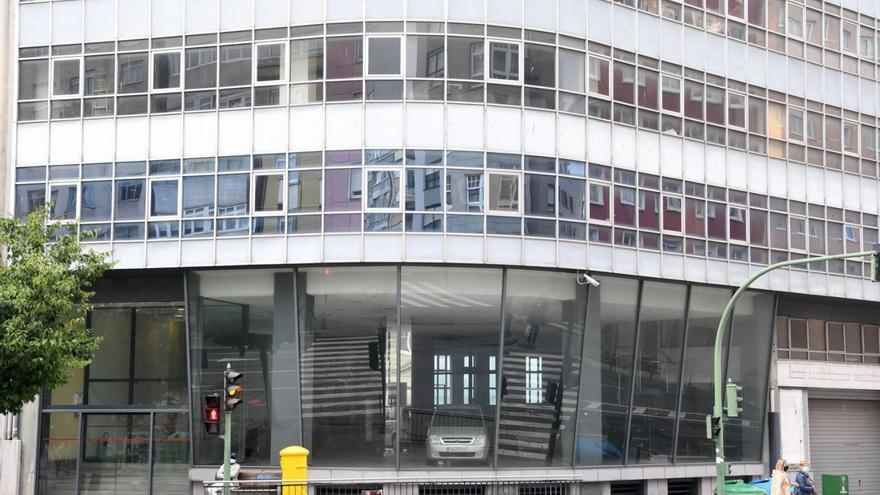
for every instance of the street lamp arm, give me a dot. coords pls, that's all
(718, 386)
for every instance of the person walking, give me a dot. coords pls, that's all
(779, 482)
(804, 479)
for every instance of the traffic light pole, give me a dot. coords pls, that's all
(227, 449)
(718, 415)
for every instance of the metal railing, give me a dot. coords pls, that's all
(400, 486)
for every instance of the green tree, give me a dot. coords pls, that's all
(44, 300)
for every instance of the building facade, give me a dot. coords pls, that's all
(448, 238)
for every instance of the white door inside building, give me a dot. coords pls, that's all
(845, 439)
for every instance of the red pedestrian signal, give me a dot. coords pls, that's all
(212, 414)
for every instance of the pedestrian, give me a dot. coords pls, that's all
(805, 479)
(779, 482)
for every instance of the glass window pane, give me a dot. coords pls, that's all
(599, 80)
(348, 321)
(624, 83)
(624, 206)
(307, 60)
(166, 70)
(464, 191)
(345, 57)
(424, 189)
(539, 192)
(383, 189)
(649, 210)
(232, 195)
(113, 358)
(545, 311)
(33, 79)
(503, 192)
(716, 220)
(160, 356)
(465, 58)
(163, 197)
(171, 453)
(99, 74)
(96, 200)
(63, 198)
(540, 65)
(270, 62)
(452, 387)
(504, 61)
(304, 191)
(693, 100)
(235, 65)
(132, 73)
(571, 70)
(572, 199)
(198, 196)
(59, 449)
(425, 56)
(65, 77)
(201, 68)
(268, 192)
(342, 190)
(384, 56)
(130, 199)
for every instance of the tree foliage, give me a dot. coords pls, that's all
(44, 300)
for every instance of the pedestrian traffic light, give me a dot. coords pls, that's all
(734, 399)
(230, 376)
(875, 264)
(212, 414)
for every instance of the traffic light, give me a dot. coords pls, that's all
(212, 414)
(875, 264)
(230, 376)
(734, 399)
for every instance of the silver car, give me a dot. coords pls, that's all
(458, 433)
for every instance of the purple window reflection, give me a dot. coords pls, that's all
(343, 158)
(649, 210)
(342, 223)
(342, 190)
(345, 57)
(345, 90)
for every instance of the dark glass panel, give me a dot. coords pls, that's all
(114, 444)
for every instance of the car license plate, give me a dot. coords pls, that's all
(457, 449)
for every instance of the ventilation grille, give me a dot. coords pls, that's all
(682, 487)
(627, 488)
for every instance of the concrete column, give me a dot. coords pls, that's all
(794, 424)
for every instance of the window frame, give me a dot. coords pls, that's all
(149, 202)
(487, 61)
(181, 84)
(52, 95)
(488, 197)
(77, 213)
(283, 78)
(255, 174)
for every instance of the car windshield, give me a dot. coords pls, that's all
(457, 417)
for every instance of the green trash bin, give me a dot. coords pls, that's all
(835, 484)
(740, 487)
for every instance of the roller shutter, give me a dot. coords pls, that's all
(845, 439)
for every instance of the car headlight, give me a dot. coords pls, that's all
(480, 440)
(434, 439)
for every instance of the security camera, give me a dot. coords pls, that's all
(584, 279)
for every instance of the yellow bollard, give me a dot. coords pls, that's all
(294, 467)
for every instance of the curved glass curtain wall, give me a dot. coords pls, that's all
(410, 366)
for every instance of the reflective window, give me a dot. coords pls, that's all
(425, 56)
(342, 190)
(307, 60)
(130, 434)
(465, 56)
(65, 77)
(232, 195)
(504, 61)
(503, 192)
(270, 62)
(383, 189)
(424, 189)
(130, 199)
(132, 73)
(201, 68)
(539, 193)
(304, 191)
(166, 70)
(345, 57)
(33, 79)
(235, 65)
(571, 70)
(58, 452)
(96, 200)
(464, 191)
(624, 83)
(540, 65)
(572, 199)
(98, 75)
(384, 56)
(198, 196)
(163, 197)
(63, 199)
(269, 193)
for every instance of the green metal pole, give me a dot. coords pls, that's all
(718, 410)
(227, 450)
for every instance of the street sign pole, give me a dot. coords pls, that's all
(227, 449)
(718, 416)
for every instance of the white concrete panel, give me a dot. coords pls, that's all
(623, 147)
(797, 181)
(572, 255)
(671, 157)
(832, 86)
(815, 193)
(129, 255)
(197, 252)
(694, 270)
(426, 9)
(868, 7)
(777, 65)
(648, 32)
(737, 55)
(342, 248)
(695, 41)
(270, 129)
(737, 273)
(167, 17)
(67, 22)
(818, 283)
(672, 266)
(99, 139)
(670, 41)
(854, 288)
(199, 134)
(778, 280)
(338, 10)
(572, 17)
(757, 174)
(815, 76)
(716, 272)
(236, 14)
(851, 192)
(165, 136)
(571, 137)
(465, 10)
(268, 250)
(306, 128)
(424, 125)
(33, 24)
(503, 12)
(836, 285)
(32, 144)
(796, 77)
(423, 247)
(850, 92)
(344, 126)
(599, 21)
(798, 281)
(694, 161)
(598, 141)
(381, 247)
(540, 14)
(624, 28)
(235, 133)
(66, 142)
(625, 260)
(132, 138)
(777, 178)
(100, 20)
(649, 264)
(384, 9)
(270, 13)
(133, 19)
(504, 129)
(539, 132)
(737, 169)
(503, 250)
(717, 54)
(163, 254)
(870, 291)
(202, 16)
(306, 11)
(869, 195)
(600, 257)
(833, 182)
(757, 66)
(304, 249)
(464, 126)
(793, 422)
(537, 252)
(233, 251)
(868, 96)
(715, 165)
(648, 152)
(384, 125)
(464, 249)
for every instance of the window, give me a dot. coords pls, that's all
(849, 37)
(504, 61)
(776, 120)
(814, 129)
(268, 193)
(796, 124)
(624, 83)
(99, 75)
(599, 80)
(271, 63)
(383, 189)
(503, 193)
(425, 56)
(850, 137)
(304, 191)
(163, 197)
(201, 68)
(812, 27)
(671, 94)
(465, 58)
(235, 65)
(832, 32)
(442, 379)
(464, 191)
(736, 110)
(307, 60)
(795, 21)
(384, 56)
(693, 100)
(648, 81)
(345, 57)
(540, 65)
(866, 43)
(166, 70)
(571, 70)
(65, 77)
(534, 379)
